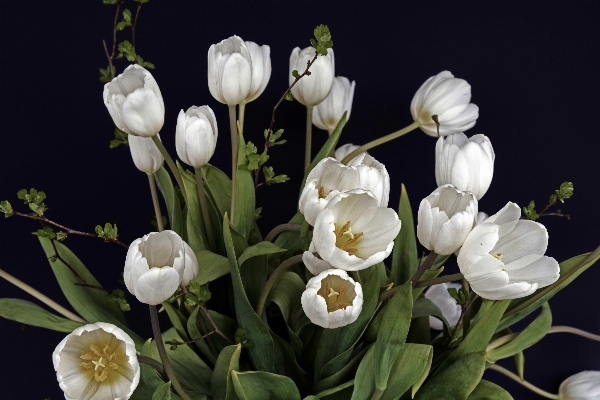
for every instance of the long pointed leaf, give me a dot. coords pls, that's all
(405, 259)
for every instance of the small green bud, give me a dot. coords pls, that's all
(295, 74)
(530, 211)
(108, 232)
(289, 97)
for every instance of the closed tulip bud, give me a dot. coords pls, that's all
(312, 89)
(134, 102)
(467, 163)
(328, 113)
(439, 295)
(582, 386)
(196, 135)
(450, 99)
(261, 69)
(157, 264)
(229, 71)
(341, 152)
(97, 361)
(503, 258)
(332, 299)
(146, 156)
(445, 219)
(373, 177)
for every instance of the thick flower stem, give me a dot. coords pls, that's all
(159, 220)
(528, 385)
(154, 364)
(163, 354)
(170, 162)
(273, 279)
(41, 297)
(241, 112)
(441, 279)
(204, 207)
(234, 157)
(308, 146)
(465, 309)
(282, 228)
(381, 140)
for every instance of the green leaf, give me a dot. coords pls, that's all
(262, 348)
(245, 202)
(29, 313)
(148, 374)
(127, 49)
(323, 39)
(259, 249)
(177, 319)
(288, 96)
(221, 384)
(425, 307)
(405, 259)
(195, 334)
(165, 185)
(109, 231)
(212, 266)
(142, 392)
(126, 15)
(530, 211)
(196, 233)
(343, 375)
(486, 390)
(6, 208)
(256, 385)
(410, 369)
(162, 392)
(520, 364)
(111, 1)
(121, 138)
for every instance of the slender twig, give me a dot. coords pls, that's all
(154, 364)
(308, 145)
(81, 281)
(69, 231)
(41, 297)
(273, 279)
(437, 281)
(159, 220)
(429, 261)
(204, 208)
(528, 385)
(110, 57)
(466, 309)
(214, 325)
(234, 157)
(282, 228)
(567, 216)
(195, 340)
(137, 13)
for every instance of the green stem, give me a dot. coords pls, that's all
(429, 261)
(234, 157)
(466, 310)
(170, 163)
(378, 393)
(204, 207)
(159, 220)
(381, 140)
(356, 276)
(327, 392)
(528, 385)
(437, 281)
(272, 281)
(160, 346)
(575, 331)
(308, 146)
(154, 364)
(241, 112)
(282, 228)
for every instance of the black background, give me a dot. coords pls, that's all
(533, 68)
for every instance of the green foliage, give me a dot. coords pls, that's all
(142, 1)
(106, 74)
(125, 22)
(110, 231)
(127, 50)
(162, 392)
(31, 314)
(48, 232)
(257, 385)
(296, 74)
(145, 64)
(288, 96)
(405, 259)
(118, 296)
(486, 390)
(564, 192)
(530, 211)
(221, 383)
(6, 208)
(111, 1)
(35, 200)
(121, 138)
(199, 294)
(461, 295)
(273, 138)
(270, 177)
(323, 39)
(253, 160)
(245, 196)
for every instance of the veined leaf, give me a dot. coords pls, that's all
(258, 385)
(405, 259)
(221, 384)
(29, 313)
(171, 199)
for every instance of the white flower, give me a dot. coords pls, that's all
(439, 295)
(467, 163)
(196, 135)
(314, 88)
(157, 264)
(353, 233)
(313, 263)
(481, 216)
(582, 386)
(134, 102)
(146, 156)
(97, 362)
(332, 299)
(445, 219)
(450, 99)
(229, 71)
(373, 177)
(503, 258)
(341, 152)
(328, 113)
(261, 69)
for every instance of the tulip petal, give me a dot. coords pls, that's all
(143, 113)
(534, 268)
(157, 285)
(528, 237)
(236, 78)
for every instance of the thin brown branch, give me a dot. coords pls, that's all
(215, 327)
(191, 341)
(82, 281)
(137, 13)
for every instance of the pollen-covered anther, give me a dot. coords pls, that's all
(346, 239)
(498, 256)
(101, 361)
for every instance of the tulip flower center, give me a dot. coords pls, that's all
(337, 292)
(345, 239)
(322, 193)
(99, 362)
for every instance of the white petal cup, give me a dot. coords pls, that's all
(503, 258)
(341, 152)
(146, 156)
(450, 99)
(97, 361)
(134, 102)
(439, 295)
(467, 163)
(196, 135)
(157, 264)
(229, 71)
(584, 385)
(327, 114)
(312, 89)
(261, 69)
(332, 299)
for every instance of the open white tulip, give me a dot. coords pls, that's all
(353, 232)
(503, 258)
(146, 156)
(450, 99)
(196, 135)
(134, 102)
(314, 88)
(229, 71)
(313, 263)
(341, 152)
(261, 69)
(157, 264)
(582, 386)
(328, 113)
(467, 163)
(332, 299)
(97, 362)
(445, 219)
(439, 295)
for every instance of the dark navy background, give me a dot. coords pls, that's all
(533, 67)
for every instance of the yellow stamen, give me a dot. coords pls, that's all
(498, 256)
(346, 239)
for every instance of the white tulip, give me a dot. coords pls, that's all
(134, 102)
(328, 113)
(229, 71)
(481, 216)
(157, 264)
(445, 219)
(582, 386)
(467, 163)
(146, 156)
(341, 152)
(313, 263)
(503, 258)
(373, 177)
(332, 299)
(439, 295)
(196, 135)
(96, 362)
(353, 233)
(314, 88)
(261, 69)
(450, 99)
